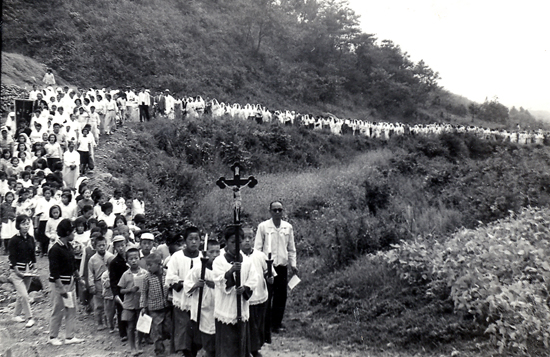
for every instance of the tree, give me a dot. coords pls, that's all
(473, 108)
(494, 111)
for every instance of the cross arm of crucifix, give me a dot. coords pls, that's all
(236, 182)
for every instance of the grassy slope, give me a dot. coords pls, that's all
(24, 71)
(418, 185)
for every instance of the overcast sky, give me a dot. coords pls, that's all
(481, 48)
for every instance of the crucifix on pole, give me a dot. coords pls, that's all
(236, 184)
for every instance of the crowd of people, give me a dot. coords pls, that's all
(111, 264)
(101, 256)
(99, 251)
(103, 109)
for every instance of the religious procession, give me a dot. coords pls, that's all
(182, 292)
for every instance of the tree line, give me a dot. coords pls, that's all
(271, 51)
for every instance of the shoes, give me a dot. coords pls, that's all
(73, 341)
(124, 339)
(18, 319)
(55, 342)
(112, 330)
(30, 323)
(101, 328)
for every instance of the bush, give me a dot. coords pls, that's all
(499, 274)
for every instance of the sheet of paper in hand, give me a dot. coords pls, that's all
(69, 301)
(293, 282)
(144, 323)
(138, 281)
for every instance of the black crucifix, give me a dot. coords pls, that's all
(236, 183)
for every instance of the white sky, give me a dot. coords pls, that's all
(481, 48)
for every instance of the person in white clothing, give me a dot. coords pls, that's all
(71, 166)
(169, 102)
(229, 341)
(110, 114)
(259, 334)
(144, 101)
(205, 334)
(49, 78)
(33, 94)
(85, 148)
(179, 265)
(276, 236)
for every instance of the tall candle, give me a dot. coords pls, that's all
(206, 242)
(268, 243)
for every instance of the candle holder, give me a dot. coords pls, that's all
(269, 262)
(204, 263)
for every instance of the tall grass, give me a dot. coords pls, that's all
(302, 193)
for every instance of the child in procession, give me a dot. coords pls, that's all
(129, 284)
(258, 300)
(108, 301)
(7, 215)
(232, 336)
(203, 335)
(179, 265)
(51, 224)
(117, 267)
(146, 245)
(154, 301)
(96, 267)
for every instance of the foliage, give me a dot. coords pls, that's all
(374, 307)
(290, 53)
(493, 111)
(497, 273)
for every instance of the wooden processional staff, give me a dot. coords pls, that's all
(236, 184)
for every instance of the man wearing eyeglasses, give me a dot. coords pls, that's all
(276, 236)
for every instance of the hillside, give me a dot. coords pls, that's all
(304, 56)
(24, 71)
(346, 197)
(282, 54)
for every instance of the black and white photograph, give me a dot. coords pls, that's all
(275, 178)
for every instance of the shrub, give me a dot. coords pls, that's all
(499, 274)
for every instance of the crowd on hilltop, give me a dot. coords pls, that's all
(104, 109)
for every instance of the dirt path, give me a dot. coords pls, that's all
(30, 342)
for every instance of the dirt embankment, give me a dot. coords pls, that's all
(24, 71)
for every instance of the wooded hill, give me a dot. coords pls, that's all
(287, 53)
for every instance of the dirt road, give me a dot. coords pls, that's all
(16, 340)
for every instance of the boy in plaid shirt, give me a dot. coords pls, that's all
(153, 300)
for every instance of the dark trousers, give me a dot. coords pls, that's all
(276, 301)
(41, 237)
(257, 326)
(144, 113)
(121, 324)
(180, 322)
